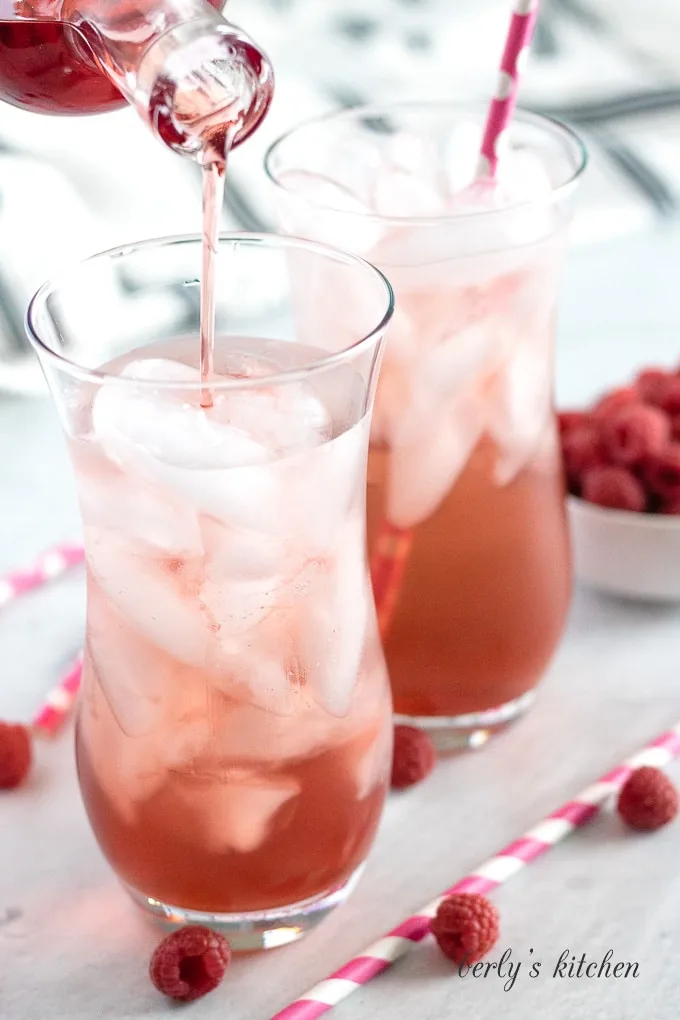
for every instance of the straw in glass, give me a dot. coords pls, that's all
(393, 545)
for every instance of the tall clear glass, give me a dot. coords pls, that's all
(234, 729)
(466, 523)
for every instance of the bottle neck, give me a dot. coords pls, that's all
(193, 77)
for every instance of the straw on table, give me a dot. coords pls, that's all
(50, 565)
(59, 702)
(494, 872)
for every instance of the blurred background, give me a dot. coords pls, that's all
(609, 68)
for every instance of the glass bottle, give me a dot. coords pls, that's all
(187, 71)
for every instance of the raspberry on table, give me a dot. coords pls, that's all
(662, 471)
(189, 963)
(15, 754)
(613, 487)
(581, 450)
(648, 799)
(466, 926)
(614, 401)
(651, 384)
(413, 757)
(633, 433)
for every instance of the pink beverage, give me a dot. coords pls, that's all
(234, 733)
(466, 522)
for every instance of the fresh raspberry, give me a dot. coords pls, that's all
(613, 401)
(466, 927)
(633, 433)
(670, 402)
(651, 384)
(15, 755)
(189, 963)
(675, 427)
(662, 472)
(413, 757)
(567, 421)
(613, 487)
(581, 450)
(648, 800)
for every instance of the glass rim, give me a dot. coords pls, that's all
(521, 115)
(297, 374)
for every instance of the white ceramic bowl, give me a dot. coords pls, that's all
(630, 554)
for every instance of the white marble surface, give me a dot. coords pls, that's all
(71, 946)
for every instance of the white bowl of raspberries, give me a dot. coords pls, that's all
(622, 464)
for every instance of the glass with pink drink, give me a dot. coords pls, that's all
(466, 523)
(234, 729)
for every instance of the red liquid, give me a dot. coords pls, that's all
(168, 845)
(482, 601)
(485, 592)
(47, 68)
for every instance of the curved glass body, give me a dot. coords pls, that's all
(234, 730)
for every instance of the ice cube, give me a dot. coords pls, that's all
(132, 674)
(522, 177)
(519, 408)
(463, 357)
(411, 153)
(160, 370)
(406, 181)
(430, 448)
(519, 198)
(255, 656)
(270, 678)
(128, 769)
(400, 194)
(140, 510)
(156, 596)
(237, 812)
(333, 622)
(462, 156)
(373, 764)
(212, 465)
(318, 207)
(215, 458)
(320, 487)
(284, 418)
(247, 732)
(151, 430)
(238, 606)
(241, 553)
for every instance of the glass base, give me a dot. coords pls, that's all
(257, 929)
(468, 732)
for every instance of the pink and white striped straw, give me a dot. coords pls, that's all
(498, 869)
(50, 565)
(502, 107)
(59, 702)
